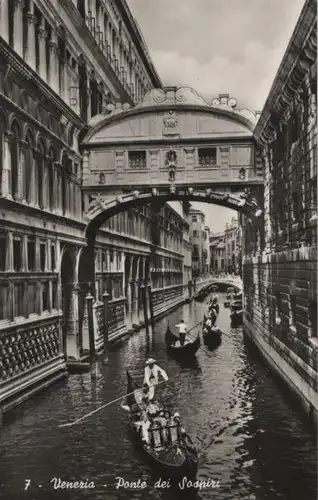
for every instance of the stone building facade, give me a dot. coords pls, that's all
(280, 265)
(200, 241)
(61, 65)
(226, 249)
(217, 252)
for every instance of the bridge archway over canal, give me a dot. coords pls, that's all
(172, 146)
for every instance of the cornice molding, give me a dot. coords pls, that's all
(19, 67)
(300, 55)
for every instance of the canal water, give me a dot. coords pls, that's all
(250, 437)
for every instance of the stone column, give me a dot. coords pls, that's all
(54, 70)
(22, 173)
(6, 172)
(73, 344)
(24, 260)
(128, 299)
(18, 26)
(35, 177)
(42, 37)
(4, 16)
(30, 56)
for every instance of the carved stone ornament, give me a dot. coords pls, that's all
(171, 159)
(170, 124)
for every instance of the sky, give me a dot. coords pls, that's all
(218, 46)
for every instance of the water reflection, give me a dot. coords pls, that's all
(248, 434)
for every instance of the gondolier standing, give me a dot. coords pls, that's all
(182, 331)
(151, 378)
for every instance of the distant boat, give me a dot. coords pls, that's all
(229, 296)
(186, 350)
(212, 336)
(237, 312)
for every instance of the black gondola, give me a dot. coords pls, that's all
(172, 461)
(236, 313)
(212, 336)
(213, 316)
(229, 296)
(188, 349)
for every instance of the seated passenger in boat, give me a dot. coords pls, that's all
(143, 426)
(153, 407)
(156, 435)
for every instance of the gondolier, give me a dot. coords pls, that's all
(182, 331)
(152, 373)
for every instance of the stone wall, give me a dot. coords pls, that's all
(280, 263)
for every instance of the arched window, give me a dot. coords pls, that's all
(28, 167)
(15, 160)
(50, 178)
(40, 172)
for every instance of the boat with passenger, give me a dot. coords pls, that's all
(230, 291)
(211, 333)
(189, 348)
(237, 310)
(163, 441)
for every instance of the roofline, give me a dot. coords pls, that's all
(300, 34)
(122, 115)
(139, 41)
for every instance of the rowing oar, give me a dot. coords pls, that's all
(70, 424)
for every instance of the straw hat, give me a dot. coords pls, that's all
(150, 361)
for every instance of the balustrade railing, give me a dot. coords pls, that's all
(25, 348)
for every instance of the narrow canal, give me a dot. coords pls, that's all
(250, 437)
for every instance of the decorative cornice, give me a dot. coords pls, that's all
(296, 63)
(18, 65)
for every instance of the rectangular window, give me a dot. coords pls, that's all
(42, 256)
(45, 296)
(3, 251)
(38, 19)
(194, 218)
(54, 295)
(137, 159)
(17, 256)
(32, 295)
(207, 157)
(53, 258)
(31, 254)
(19, 299)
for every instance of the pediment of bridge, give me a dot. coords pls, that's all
(172, 114)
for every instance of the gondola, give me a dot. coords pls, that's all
(213, 317)
(186, 350)
(236, 313)
(229, 296)
(212, 336)
(173, 461)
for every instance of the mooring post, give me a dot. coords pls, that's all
(105, 301)
(144, 303)
(91, 336)
(152, 317)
